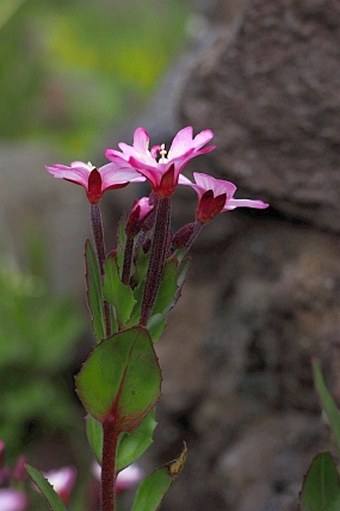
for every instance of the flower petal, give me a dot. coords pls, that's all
(181, 143)
(77, 174)
(245, 203)
(218, 186)
(141, 140)
(116, 174)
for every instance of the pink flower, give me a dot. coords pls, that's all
(216, 196)
(140, 211)
(95, 181)
(126, 479)
(12, 500)
(62, 481)
(159, 166)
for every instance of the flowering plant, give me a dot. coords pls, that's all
(130, 292)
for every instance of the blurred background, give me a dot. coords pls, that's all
(263, 292)
(71, 74)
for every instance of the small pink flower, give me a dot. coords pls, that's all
(140, 211)
(12, 500)
(216, 196)
(159, 166)
(95, 181)
(62, 480)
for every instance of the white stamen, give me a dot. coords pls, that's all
(163, 152)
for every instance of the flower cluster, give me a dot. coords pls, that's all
(130, 292)
(161, 168)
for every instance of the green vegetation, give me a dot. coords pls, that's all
(73, 69)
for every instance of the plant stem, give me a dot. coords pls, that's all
(108, 476)
(128, 255)
(98, 236)
(157, 258)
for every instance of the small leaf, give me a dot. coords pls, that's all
(152, 490)
(117, 293)
(94, 292)
(321, 487)
(156, 326)
(139, 277)
(130, 447)
(121, 239)
(168, 288)
(94, 432)
(328, 403)
(121, 379)
(182, 271)
(52, 498)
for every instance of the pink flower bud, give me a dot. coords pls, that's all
(139, 213)
(19, 472)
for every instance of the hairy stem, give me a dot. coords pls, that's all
(108, 476)
(98, 236)
(157, 258)
(128, 255)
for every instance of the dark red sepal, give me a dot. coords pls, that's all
(168, 183)
(94, 189)
(209, 206)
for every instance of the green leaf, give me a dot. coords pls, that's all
(117, 293)
(152, 490)
(52, 498)
(182, 271)
(121, 379)
(142, 263)
(168, 288)
(139, 277)
(156, 326)
(94, 292)
(94, 432)
(130, 447)
(121, 238)
(328, 403)
(321, 487)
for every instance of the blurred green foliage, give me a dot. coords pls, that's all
(72, 69)
(38, 337)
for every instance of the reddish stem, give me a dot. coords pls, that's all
(108, 477)
(157, 258)
(98, 236)
(128, 255)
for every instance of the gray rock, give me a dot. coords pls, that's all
(270, 92)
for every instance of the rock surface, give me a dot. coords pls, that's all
(265, 77)
(271, 93)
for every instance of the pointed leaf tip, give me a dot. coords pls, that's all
(321, 486)
(152, 490)
(52, 498)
